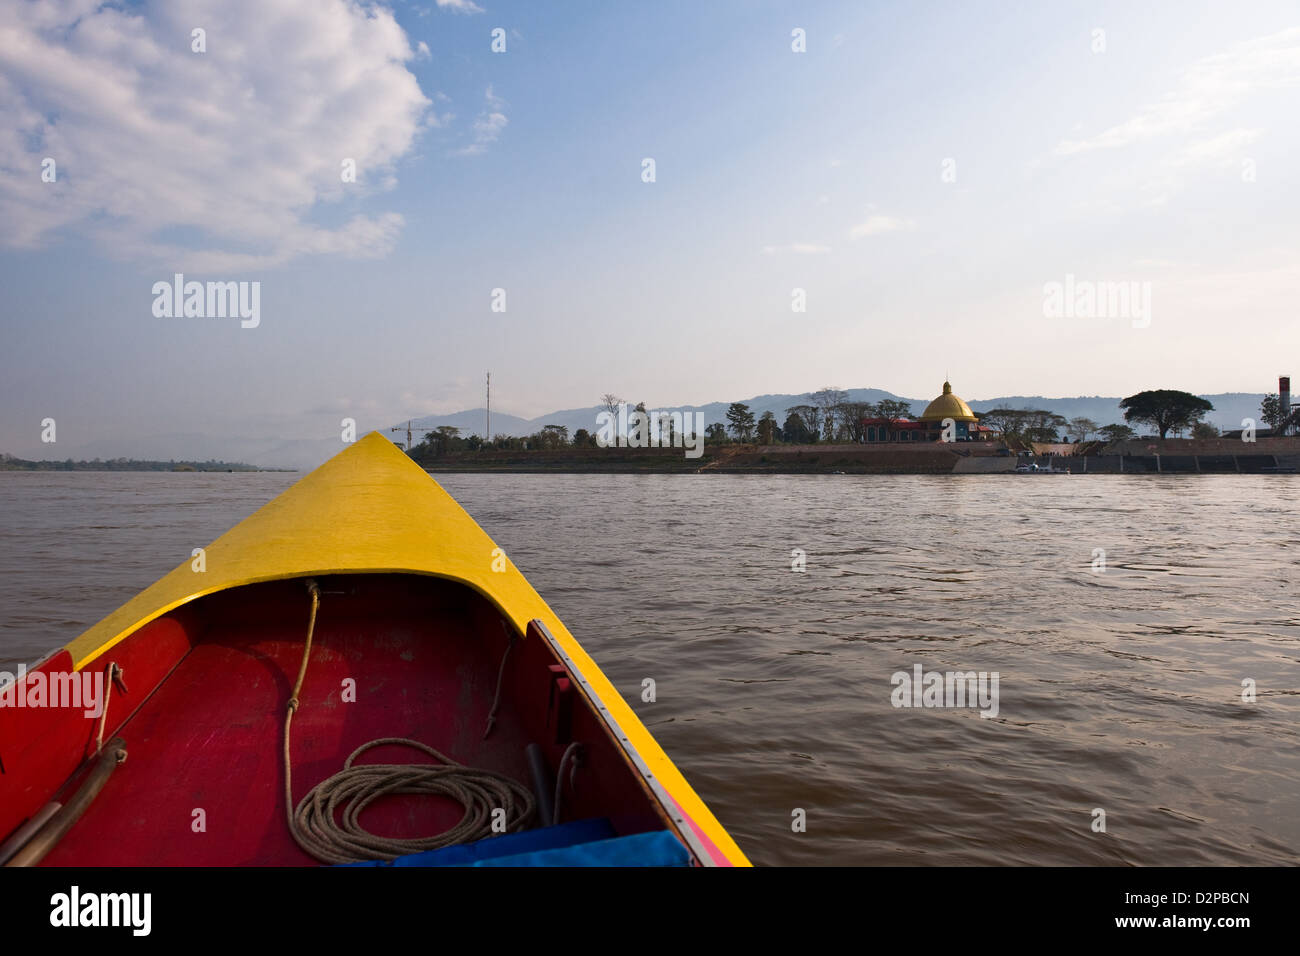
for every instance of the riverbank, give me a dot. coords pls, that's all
(726, 459)
(1172, 455)
(10, 463)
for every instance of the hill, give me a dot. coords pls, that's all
(1229, 410)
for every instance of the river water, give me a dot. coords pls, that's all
(1120, 674)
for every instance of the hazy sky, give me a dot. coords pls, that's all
(921, 172)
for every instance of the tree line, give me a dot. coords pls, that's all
(447, 440)
(827, 415)
(11, 463)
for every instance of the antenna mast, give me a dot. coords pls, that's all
(489, 406)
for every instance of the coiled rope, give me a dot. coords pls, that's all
(326, 824)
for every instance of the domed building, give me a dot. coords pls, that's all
(930, 425)
(949, 405)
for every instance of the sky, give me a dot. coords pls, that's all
(917, 177)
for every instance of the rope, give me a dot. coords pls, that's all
(314, 823)
(574, 750)
(352, 789)
(501, 674)
(113, 671)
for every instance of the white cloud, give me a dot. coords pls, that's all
(1218, 151)
(422, 51)
(799, 248)
(487, 125)
(875, 225)
(1207, 89)
(460, 6)
(232, 148)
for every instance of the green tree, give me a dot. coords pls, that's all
(1043, 426)
(742, 421)
(1270, 410)
(826, 400)
(437, 443)
(850, 415)
(1112, 433)
(1081, 428)
(767, 429)
(893, 411)
(445, 439)
(811, 419)
(583, 437)
(1024, 424)
(1010, 422)
(795, 429)
(1165, 409)
(1204, 430)
(551, 436)
(716, 433)
(664, 426)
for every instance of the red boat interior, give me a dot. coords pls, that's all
(200, 709)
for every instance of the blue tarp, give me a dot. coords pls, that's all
(580, 843)
(656, 848)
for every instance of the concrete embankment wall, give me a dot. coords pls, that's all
(1194, 455)
(921, 458)
(1204, 446)
(983, 465)
(852, 459)
(1172, 464)
(578, 460)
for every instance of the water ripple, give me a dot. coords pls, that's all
(1120, 691)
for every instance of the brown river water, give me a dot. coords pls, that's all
(1120, 686)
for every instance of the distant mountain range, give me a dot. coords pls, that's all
(305, 453)
(1229, 409)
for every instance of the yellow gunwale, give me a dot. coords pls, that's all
(370, 509)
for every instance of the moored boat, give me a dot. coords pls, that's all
(1030, 468)
(356, 674)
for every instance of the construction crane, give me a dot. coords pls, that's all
(409, 429)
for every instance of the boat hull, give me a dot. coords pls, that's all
(413, 645)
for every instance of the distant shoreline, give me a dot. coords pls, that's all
(10, 463)
(1142, 456)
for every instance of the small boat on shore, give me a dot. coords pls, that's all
(355, 674)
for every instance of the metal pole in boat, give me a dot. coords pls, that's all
(543, 784)
(62, 820)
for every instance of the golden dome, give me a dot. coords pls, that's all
(948, 405)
